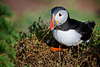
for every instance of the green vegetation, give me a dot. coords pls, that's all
(7, 38)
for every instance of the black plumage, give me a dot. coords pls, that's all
(84, 29)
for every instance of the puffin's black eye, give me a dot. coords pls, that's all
(60, 15)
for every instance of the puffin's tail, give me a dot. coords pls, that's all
(91, 24)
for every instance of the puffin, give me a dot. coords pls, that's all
(68, 31)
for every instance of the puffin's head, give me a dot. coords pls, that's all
(59, 15)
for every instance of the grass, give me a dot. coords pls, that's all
(34, 50)
(30, 51)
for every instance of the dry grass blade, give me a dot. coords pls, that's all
(44, 36)
(34, 51)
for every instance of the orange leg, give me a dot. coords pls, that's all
(56, 49)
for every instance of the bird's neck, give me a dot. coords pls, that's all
(65, 26)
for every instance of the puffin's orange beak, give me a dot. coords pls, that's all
(51, 25)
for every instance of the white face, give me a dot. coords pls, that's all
(61, 17)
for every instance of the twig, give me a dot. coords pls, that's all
(78, 56)
(59, 56)
(41, 53)
(78, 50)
(44, 36)
(22, 62)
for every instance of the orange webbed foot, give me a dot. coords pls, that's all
(55, 49)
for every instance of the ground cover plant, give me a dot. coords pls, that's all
(7, 38)
(34, 49)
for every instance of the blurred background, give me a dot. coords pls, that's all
(25, 12)
(17, 15)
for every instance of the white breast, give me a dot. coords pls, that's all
(68, 38)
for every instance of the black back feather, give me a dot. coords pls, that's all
(84, 29)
